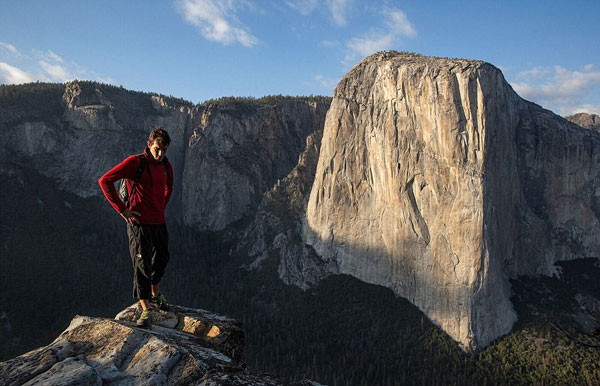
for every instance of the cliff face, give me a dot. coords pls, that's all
(237, 153)
(225, 155)
(92, 128)
(276, 231)
(558, 213)
(431, 177)
(59, 139)
(436, 180)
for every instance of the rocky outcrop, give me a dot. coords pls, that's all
(183, 347)
(437, 180)
(589, 121)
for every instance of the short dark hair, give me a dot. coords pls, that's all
(159, 134)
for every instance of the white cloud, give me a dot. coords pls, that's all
(586, 108)
(57, 72)
(45, 66)
(14, 75)
(588, 67)
(329, 43)
(326, 82)
(216, 20)
(562, 84)
(367, 46)
(536, 72)
(338, 9)
(9, 47)
(322, 82)
(52, 56)
(395, 25)
(305, 7)
(398, 22)
(557, 88)
(107, 80)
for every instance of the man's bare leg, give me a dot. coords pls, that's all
(144, 320)
(154, 289)
(145, 304)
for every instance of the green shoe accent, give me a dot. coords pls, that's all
(160, 302)
(144, 319)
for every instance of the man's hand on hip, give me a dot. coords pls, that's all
(130, 216)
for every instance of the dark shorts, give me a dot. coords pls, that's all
(149, 249)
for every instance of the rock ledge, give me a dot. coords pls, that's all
(182, 347)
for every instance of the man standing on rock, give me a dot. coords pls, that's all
(149, 184)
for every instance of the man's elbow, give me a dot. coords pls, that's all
(104, 183)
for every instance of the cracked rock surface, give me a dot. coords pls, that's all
(182, 347)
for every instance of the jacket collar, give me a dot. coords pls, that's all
(149, 157)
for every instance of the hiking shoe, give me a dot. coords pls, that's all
(144, 320)
(160, 302)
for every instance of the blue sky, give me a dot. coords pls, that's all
(202, 49)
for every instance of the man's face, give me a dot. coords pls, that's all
(157, 151)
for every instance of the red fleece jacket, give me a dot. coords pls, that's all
(152, 193)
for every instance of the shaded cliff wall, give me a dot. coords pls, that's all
(558, 214)
(238, 152)
(276, 230)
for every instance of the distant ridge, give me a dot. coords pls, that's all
(589, 121)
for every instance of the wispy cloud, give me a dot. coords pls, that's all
(52, 56)
(9, 47)
(217, 20)
(56, 71)
(535, 73)
(305, 7)
(398, 23)
(329, 43)
(395, 26)
(13, 75)
(364, 46)
(45, 66)
(586, 108)
(557, 88)
(325, 82)
(337, 9)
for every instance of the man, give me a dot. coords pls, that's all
(145, 216)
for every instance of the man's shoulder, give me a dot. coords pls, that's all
(131, 163)
(134, 158)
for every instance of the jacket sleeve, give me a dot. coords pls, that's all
(169, 186)
(125, 169)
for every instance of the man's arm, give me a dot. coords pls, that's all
(125, 169)
(169, 186)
